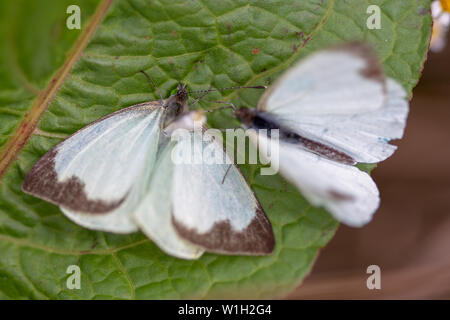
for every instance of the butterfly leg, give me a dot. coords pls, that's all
(228, 105)
(199, 98)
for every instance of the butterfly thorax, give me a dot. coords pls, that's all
(175, 105)
(254, 119)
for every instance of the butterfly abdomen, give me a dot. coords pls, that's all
(318, 148)
(266, 121)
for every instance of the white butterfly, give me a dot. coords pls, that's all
(333, 109)
(116, 175)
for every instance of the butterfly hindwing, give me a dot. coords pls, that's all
(153, 216)
(214, 207)
(348, 193)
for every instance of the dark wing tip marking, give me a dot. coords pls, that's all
(42, 182)
(256, 239)
(373, 69)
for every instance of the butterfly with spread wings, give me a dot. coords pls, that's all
(117, 175)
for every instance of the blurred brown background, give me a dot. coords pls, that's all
(409, 237)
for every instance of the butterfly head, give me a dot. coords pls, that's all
(181, 93)
(178, 95)
(176, 104)
(245, 115)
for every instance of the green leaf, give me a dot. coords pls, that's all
(198, 42)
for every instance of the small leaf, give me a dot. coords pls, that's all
(199, 42)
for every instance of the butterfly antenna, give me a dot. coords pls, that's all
(230, 105)
(161, 100)
(230, 88)
(205, 92)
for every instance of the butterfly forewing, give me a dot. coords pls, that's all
(345, 79)
(95, 171)
(340, 98)
(362, 136)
